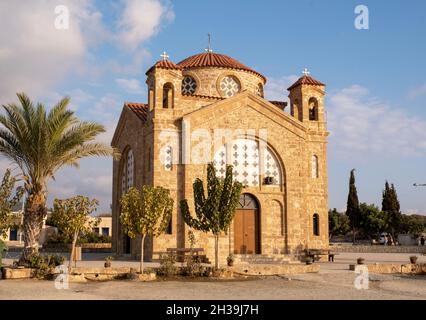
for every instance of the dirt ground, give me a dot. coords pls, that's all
(334, 281)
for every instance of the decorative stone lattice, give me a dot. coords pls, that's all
(130, 169)
(247, 163)
(167, 158)
(229, 86)
(189, 85)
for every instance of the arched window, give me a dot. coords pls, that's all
(315, 224)
(315, 167)
(151, 99)
(127, 173)
(295, 109)
(313, 109)
(259, 90)
(168, 96)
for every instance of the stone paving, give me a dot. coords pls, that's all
(334, 281)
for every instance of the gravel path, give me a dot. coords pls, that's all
(334, 281)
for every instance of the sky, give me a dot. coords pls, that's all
(375, 77)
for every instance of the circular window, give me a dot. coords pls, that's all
(189, 85)
(229, 86)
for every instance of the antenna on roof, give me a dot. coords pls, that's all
(209, 48)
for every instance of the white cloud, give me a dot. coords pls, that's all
(361, 125)
(276, 88)
(132, 86)
(417, 92)
(34, 55)
(140, 20)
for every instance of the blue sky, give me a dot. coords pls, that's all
(376, 84)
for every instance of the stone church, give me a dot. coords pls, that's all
(211, 108)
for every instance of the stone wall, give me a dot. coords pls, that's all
(378, 249)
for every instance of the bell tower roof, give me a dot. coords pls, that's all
(307, 80)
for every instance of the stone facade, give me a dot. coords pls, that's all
(178, 134)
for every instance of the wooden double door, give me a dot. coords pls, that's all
(246, 231)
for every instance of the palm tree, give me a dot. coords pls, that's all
(40, 143)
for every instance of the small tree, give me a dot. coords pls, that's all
(72, 217)
(215, 211)
(352, 210)
(373, 221)
(390, 205)
(9, 197)
(338, 223)
(146, 214)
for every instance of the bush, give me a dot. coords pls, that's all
(193, 267)
(44, 264)
(167, 265)
(3, 249)
(93, 237)
(90, 237)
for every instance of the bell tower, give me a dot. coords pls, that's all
(307, 100)
(164, 80)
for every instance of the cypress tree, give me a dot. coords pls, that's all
(352, 208)
(390, 205)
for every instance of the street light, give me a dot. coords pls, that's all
(419, 184)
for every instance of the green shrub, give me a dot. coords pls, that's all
(3, 249)
(90, 237)
(167, 265)
(193, 267)
(43, 265)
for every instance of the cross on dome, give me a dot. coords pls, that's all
(306, 72)
(165, 56)
(209, 47)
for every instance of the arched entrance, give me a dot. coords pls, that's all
(246, 226)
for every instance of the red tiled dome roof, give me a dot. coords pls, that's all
(140, 109)
(211, 59)
(164, 64)
(305, 79)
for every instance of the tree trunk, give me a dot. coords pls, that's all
(353, 234)
(34, 213)
(72, 255)
(142, 245)
(216, 251)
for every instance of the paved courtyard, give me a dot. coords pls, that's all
(334, 281)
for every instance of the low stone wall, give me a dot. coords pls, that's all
(377, 249)
(86, 248)
(385, 268)
(20, 273)
(274, 269)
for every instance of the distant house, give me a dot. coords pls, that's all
(15, 234)
(104, 227)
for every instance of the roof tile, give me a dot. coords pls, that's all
(140, 109)
(211, 59)
(308, 80)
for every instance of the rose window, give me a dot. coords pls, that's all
(189, 85)
(229, 86)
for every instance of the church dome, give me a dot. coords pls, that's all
(215, 60)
